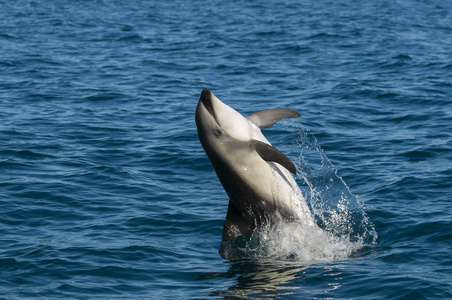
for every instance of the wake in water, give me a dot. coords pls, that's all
(335, 225)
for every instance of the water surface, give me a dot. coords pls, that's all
(105, 191)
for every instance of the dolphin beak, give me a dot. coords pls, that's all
(206, 100)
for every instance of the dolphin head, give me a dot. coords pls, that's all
(219, 123)
(228, 138)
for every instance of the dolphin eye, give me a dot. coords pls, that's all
(217, 132)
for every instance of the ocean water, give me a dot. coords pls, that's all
(106, 192)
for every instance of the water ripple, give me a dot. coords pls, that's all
(105, 191)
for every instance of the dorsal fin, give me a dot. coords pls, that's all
(268, 117)
(269, 153)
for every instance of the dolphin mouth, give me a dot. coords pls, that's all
(207, 102)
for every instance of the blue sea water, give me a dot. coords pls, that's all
(106, 192)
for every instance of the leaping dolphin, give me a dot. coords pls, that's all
(255, 175)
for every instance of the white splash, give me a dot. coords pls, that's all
(336, 227)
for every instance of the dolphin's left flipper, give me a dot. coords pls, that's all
(270, 153)
(268, 117)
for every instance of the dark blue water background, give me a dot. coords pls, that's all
(105, 191)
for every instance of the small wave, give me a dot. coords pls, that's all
(131, 38)
(104, 96)
(26, 154)
(324, 35)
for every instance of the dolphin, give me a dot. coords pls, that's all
(256, 176)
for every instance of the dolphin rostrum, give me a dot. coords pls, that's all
(255, 175)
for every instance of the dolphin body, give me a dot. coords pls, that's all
(255, 175)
